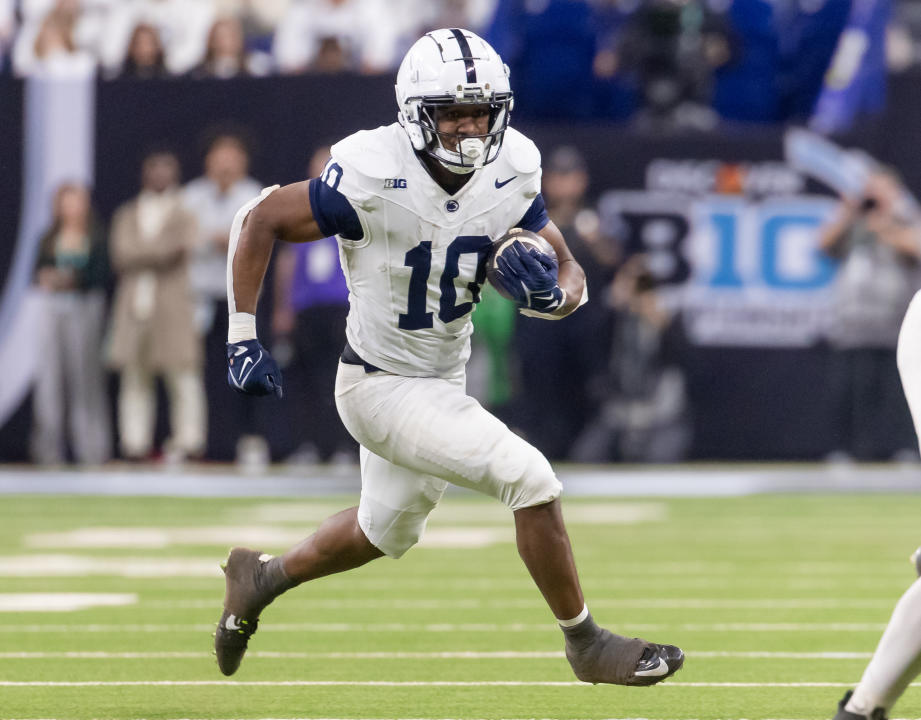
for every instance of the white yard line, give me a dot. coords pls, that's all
(478, 603)
(442, 627)
(444, 655)
(396, 683)
(686, 575)
(63, 601)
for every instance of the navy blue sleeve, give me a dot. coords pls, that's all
(333, 212)
(536, 216)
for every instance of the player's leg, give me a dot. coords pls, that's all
(896, 662)
(595, 654)
(395, 503)
(544, 546)
(254, 579)
(897, 659)
(430, 425)
(908, 355)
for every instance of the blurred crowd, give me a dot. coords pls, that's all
(221, 38)
(689, 62)
(135, 324)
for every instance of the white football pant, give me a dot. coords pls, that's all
(417, 435)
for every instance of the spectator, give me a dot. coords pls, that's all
(876, 236)
(747, 89)
(259, 17)
(672, 48)
(145, 58)
(644, 414)
(903, 38)
(526, 34)
(153, 331)
(47, 45)
(72, 271)
(337, 35)
(808, 32)
(213, 199)
(182, 27)
(312, 301)
(225, 53)
(7, 29)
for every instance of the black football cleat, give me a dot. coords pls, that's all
(657, 663)
(842, 714)
(599, 656)
(248, 590)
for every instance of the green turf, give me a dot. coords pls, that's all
(719, 576)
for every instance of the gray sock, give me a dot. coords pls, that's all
(599, 656)
(275, 580)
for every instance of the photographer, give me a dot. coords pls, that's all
(876, 237)
(644, 415)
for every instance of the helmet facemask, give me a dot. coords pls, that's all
(472, 151)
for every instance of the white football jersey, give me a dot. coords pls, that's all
(416, 274)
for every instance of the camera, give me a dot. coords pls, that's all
(868, 204)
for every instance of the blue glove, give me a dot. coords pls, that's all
(530, 277)
(251, 370)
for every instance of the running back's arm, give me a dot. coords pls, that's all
(571, 276)
(284, 214)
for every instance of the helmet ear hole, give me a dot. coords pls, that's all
(416, 126)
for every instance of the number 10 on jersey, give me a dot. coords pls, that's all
(420, 260)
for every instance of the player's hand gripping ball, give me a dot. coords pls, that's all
(522, 266)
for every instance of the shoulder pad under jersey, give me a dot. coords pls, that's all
(372, 153)
(521, 153)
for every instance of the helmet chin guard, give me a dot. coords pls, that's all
(453, 67)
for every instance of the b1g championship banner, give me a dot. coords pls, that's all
(737, 244)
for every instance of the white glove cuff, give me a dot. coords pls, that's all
(554, 315)
(241, 326)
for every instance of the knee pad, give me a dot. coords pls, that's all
(391, 530)
(522, 475)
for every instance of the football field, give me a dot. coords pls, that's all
(107, 605)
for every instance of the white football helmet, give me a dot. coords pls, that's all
(448, 67)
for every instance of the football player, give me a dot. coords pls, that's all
(897, 660)
(415, 206)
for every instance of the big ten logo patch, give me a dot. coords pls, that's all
(395, 183)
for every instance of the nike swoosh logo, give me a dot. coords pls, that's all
(240, 350)
(231, 623)
(504, 182)
(239, 383)
(661, 669)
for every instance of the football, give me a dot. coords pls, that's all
(525, 237)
